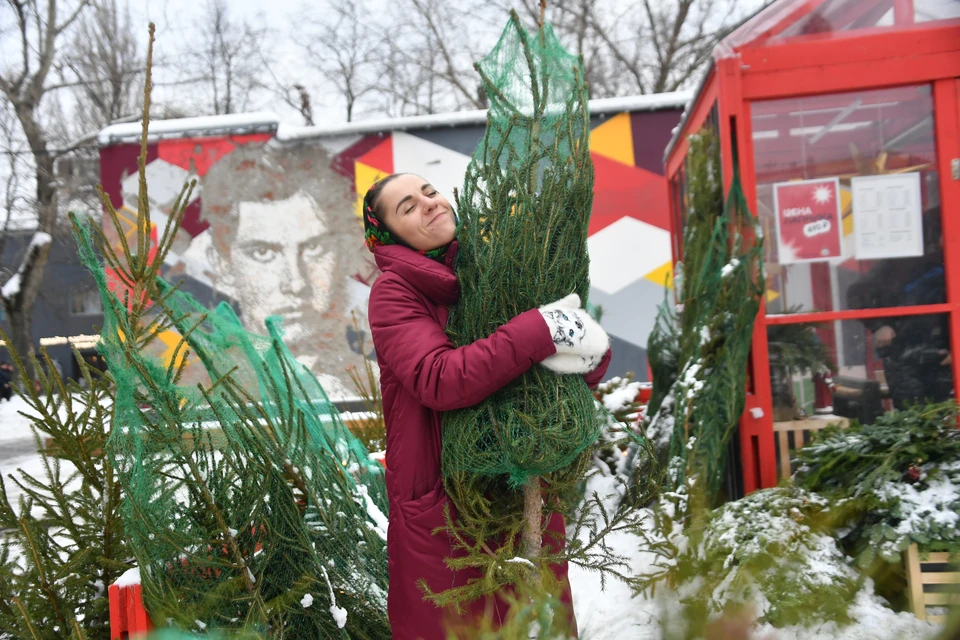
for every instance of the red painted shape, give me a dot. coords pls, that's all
(381, 156)
(192, 223)
(116, 163)
(344, 162)
(621, 190)
(200, 154)
(651, 131)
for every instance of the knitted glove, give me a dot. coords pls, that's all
(581, 342)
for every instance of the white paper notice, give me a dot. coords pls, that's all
(887, 216)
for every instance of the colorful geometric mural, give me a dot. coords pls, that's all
(629, 240)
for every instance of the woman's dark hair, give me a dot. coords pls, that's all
(372, 199)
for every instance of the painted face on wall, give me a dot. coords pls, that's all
(282, 262)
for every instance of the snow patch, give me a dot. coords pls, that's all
(129, 578)
(519, 560)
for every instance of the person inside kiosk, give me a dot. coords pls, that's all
(915, 349)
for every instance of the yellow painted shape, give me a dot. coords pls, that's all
(772, 295)
(365, 177)
(662, 274)
(614, 139)
(172, 339)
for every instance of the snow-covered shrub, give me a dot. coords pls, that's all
(898, 481)
(770, 551)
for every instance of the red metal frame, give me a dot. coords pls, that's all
(910, 54)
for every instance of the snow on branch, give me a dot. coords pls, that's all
(11, 289)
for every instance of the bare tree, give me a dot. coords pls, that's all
(437, 42)
(40, 29)
(107, 66)
(12, 153)
(339, 44)
(230, 54)
(651, 46)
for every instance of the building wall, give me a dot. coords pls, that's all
(63, 279)
(629, 241)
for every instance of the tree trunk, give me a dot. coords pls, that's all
(19, 307)
(532, 515)
(21, 340)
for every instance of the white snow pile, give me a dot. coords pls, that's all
(129, 578)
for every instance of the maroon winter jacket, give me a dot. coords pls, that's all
(422, 375)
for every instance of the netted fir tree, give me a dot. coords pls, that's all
(249, 506)
(718, 297)
(524, 211)
(63, 541)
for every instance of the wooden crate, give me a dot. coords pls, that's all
(800, 430)
(932, 581)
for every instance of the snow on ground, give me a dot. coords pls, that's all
(13, 426)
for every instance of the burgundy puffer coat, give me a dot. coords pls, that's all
(422, 375)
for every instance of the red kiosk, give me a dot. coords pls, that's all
(844, 119)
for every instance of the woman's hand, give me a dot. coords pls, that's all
(581, 342)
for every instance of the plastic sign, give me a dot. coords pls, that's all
(887, 216)
(808, 220)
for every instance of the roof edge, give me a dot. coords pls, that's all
(270, 122)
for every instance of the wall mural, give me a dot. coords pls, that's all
(273, 227)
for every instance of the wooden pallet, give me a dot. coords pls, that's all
(931, 582)
(799, 429)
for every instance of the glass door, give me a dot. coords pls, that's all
(851, 201)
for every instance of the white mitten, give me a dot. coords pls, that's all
(580, 341)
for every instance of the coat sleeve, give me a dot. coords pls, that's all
(595, 377)
(441, 377)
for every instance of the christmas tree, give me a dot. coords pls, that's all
(524, 211)
(719, 287)
(65, 540)
(249, 506)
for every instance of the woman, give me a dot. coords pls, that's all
(410, 229)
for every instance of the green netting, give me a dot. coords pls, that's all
(248, 503)
(719, 296)
(524, 211)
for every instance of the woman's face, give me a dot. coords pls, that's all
(417, 213)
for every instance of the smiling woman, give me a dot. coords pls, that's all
(406, 209)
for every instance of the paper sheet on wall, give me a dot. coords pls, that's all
(887, 216)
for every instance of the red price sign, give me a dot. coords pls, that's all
(808, 220)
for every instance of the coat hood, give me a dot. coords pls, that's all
(436, 281)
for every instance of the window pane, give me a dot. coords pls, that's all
(85, 302)
(835, 16)
(872, 142)
(874, 366)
